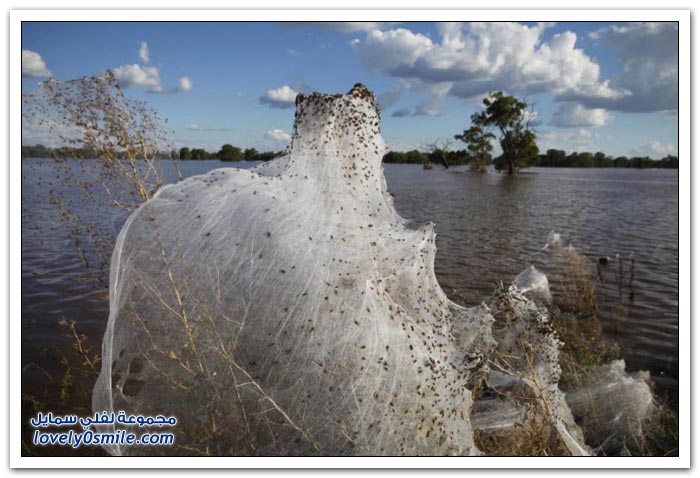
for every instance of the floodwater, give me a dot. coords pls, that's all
(488, 228)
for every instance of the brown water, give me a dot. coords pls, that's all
(488, 227)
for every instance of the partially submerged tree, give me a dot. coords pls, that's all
(479, 146)
(512, 119)
(438, 152)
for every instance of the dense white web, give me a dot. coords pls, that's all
(289, 310)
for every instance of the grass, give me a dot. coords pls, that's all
(576, 318)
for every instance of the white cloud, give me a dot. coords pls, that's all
(147, 76)
(143, 52)
(33, 65)
(574, 115)
(185, 83)
(476, 58)
(387, 50)
(656, 149)
(48, 131)
(282, 97)
(196, 127)
(137, 75)
(648, 55)
(278, 135)
(565, 139)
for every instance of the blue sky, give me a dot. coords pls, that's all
(594, 86)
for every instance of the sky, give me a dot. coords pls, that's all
(610, 87)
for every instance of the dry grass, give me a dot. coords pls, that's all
(577, 320)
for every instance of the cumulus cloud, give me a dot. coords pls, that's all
(278, 135)
(344, 27)
(185, 83)
(656, 149)
(33, 65)
(282, 97)
(137, 75)
(385, 51)
(565, 139)
(574, 115)
(648, 54)
(143, 53)
(473, 59)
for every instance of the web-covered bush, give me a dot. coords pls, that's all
(289, 310)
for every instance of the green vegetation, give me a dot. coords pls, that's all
(227, 152)
(479, 146)
(552, 159)
(557, 158)
(512, 119)
(452, 157)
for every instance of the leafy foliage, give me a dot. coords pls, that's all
(479, 146)
(512, 119)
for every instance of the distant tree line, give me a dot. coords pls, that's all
(553, 158)
(41, 151)
(557, 158)
(435, 156)
(227, 152)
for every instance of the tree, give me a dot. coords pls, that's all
(601, 160)
(438, 152)
(250, 154)
(479, 146)
(199, 153)
(185, 153)
(511, 117)
(229, 152)
(554, 158)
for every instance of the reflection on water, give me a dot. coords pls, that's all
(488, 227)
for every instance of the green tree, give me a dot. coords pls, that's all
(602, 160)
(554, 158)
(479, 146)
(510, 116)
(229, 152)
(582, 160)
(198, 153)
(250, 154)
(185, 153)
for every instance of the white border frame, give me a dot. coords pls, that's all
(684, 150)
